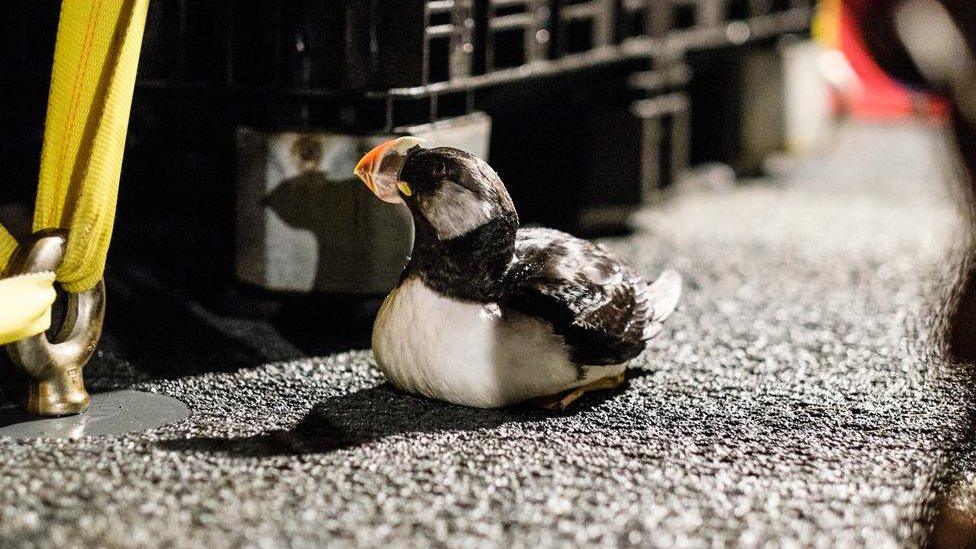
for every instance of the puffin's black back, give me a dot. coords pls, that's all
(594, 301)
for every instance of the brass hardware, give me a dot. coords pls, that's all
(55, 367)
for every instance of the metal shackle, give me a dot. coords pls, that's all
(56, 387)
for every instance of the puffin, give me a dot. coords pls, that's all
(489, 314)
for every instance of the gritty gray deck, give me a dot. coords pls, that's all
(795, 396)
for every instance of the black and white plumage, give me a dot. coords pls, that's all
(602, 308)
(487, 314)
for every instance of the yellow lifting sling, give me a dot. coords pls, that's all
(92, 81)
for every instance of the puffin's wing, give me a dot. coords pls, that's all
(603, 309)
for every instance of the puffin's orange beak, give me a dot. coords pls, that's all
(364, 169)
(380, 167)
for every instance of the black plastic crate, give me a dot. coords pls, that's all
(689, 14)
(743, 9)
(592, 156)
(582, 25)
(637, 19)
(515, 33)
(308, 44)
(408, 47)
(450, 30)
(743, 124)
(666, 141)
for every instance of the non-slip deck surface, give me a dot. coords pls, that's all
(796, 395)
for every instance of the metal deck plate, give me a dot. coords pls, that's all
(110, 413)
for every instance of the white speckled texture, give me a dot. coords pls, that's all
(794, 396)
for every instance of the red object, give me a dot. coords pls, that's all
(878, 96)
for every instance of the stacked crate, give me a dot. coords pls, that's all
(602, 82)
(639, 19)
(582, 25)
(665, 124)
(374, 66)
(516, 33)
(449, 34)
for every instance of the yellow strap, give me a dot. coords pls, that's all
(26, 309)
(7, 247)
(92, 80)
(94, 74)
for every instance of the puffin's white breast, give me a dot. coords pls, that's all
(468, 353)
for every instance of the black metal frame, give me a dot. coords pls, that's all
(374, 67)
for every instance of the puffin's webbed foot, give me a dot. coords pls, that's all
(560, 401)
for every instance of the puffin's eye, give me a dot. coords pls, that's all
(439, 170)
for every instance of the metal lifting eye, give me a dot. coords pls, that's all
(56, 387)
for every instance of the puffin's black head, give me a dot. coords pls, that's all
(449, 191)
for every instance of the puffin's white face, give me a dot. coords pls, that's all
(454, 210)
(448, 190)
